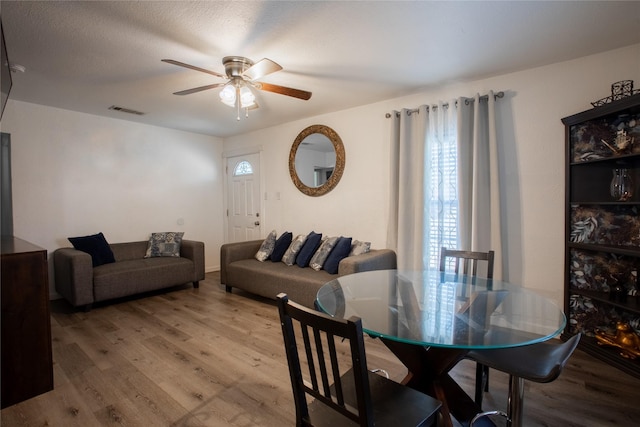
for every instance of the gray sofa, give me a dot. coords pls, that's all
(82, 284)
(240, 269)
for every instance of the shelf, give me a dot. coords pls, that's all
(610, 355)
(584, 203)
(619, 160)
(631, 304)
(631, 102)
(620, 250)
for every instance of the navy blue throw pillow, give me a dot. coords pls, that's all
(96, 246)
(340, 251)
(309, 248)
(283, 242)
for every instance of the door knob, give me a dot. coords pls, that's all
(256, 223)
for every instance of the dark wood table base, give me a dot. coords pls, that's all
(429, 373)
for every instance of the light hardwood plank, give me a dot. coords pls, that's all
(203, 357)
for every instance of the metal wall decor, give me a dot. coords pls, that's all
(619, 90)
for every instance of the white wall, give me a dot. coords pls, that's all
(532, 154)
(76, 174)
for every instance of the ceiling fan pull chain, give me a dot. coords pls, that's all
(238, 101)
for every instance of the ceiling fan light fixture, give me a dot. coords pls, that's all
(228, 95)
(247, 98)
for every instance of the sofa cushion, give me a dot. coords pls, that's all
(270, 278)
(318, 259)
(283, 242)
(165, 244)
(291, 253)
(311, 245)
(95, 245)
(141, 275)
(339, 252)
(267, 247)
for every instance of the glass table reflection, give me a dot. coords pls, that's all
(430, 320)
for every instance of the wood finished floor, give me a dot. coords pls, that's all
(203, 357)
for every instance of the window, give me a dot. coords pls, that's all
(243, 168)
(442, 197)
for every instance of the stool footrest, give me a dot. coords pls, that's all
(486, 414)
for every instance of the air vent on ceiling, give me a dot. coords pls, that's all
(126, 110)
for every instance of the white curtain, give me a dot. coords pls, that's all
(407, 208)
(425, 214)
(478, 172)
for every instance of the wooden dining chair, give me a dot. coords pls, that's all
(466, 262)
(343, 395)
(542, 363)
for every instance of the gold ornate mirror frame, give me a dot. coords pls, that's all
(337, 171)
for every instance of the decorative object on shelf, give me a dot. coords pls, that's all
(621, 187)
(625, 339)
(595, 139)
(621, 144)
(619, 90)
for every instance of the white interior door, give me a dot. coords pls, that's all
(243, 193)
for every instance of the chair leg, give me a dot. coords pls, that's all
(486, 376)
(515, 411)
(482, 382)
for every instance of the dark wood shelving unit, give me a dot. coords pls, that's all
(27, 366)
(602, 249)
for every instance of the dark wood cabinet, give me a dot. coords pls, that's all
(27, 368)
(602, 249)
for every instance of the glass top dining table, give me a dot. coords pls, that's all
(441, 309)
(431, 319)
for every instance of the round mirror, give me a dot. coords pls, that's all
(316, 160)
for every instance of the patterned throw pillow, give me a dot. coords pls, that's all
(359, 247)
(267, 247)
(164, 244)
(290, 255)
(340, 251)
(318, 259)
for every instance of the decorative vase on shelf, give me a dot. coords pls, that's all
(621, 185)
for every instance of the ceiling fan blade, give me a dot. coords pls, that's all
(199, 89)
(296, 93)
(261, 68)
(193, 67)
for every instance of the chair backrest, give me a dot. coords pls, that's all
(468, 260)
(318, 358)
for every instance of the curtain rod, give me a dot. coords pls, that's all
(446, 104)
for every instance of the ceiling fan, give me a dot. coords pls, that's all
(242, 74)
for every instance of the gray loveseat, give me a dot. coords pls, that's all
(240, 269)
(82, 284)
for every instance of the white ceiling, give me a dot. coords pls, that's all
(87, 56)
